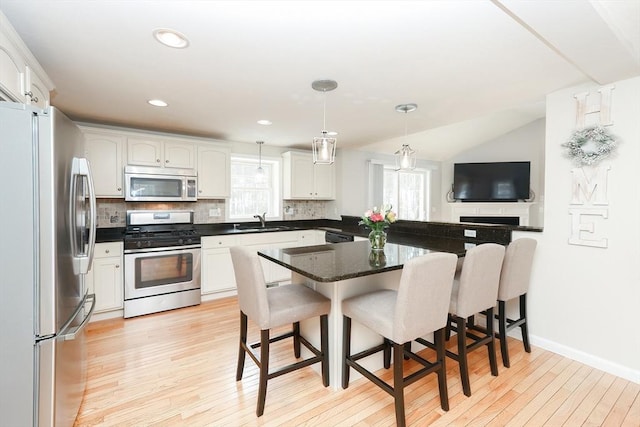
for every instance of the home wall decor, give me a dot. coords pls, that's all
(587, 147)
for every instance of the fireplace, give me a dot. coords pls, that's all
(491, 213)
(506, 220)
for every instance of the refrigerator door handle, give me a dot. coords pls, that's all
(82, 261)
(75, 331)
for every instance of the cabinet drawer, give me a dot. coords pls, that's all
(105, 250)
(210, 242)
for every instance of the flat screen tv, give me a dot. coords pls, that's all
(491, 182)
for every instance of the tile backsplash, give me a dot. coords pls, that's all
(113, 212)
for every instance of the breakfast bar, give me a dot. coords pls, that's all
(339, 271)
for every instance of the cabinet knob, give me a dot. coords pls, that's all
(117, 265)
(157, 160)
(166, 161)
(119, 188)
(106, 251)
(199, 191)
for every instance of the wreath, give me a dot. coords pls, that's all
(603, 145)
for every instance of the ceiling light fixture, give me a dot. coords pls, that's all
(405, 157)
(324, 147)
(157, 102)
(261, 176)
(171, 38)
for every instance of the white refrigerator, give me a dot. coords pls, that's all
(48, 220)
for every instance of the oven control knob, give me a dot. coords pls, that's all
(148, 243)
(180, 241)
(139, 244)
(189, 241)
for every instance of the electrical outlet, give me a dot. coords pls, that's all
(468, 246)
(469, 233)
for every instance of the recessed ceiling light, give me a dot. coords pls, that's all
(157, 102)
(171, 38)
(264, 122)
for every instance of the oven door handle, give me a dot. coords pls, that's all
(163, 249)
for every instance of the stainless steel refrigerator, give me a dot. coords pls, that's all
(48, 214)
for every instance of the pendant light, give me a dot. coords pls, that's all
(405, 157)
(324, 147)
(261, 176)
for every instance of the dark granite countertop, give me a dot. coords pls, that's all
(413, 233)
(112, 234)
(340, 261)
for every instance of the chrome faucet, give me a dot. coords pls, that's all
(261, 219)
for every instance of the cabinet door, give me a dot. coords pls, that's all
(104, 151)
(105, 280)
(213, 172)
(181, 155)
(144, 152)
(301, 177)
(217, 271)
(39, 93)
(324, 180)
(288, 239)
(12, 70)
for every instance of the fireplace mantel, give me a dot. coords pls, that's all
(489, 210)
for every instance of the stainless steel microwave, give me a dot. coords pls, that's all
(145, 184)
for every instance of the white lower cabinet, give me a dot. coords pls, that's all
(105, 279)
(285, 239)
(217, 268)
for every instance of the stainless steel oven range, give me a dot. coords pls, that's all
(161, 262)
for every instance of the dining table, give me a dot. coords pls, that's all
(343, 270)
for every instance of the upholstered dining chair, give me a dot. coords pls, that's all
(475, 290)
(272, 308)
(514, 283)
(419, 307)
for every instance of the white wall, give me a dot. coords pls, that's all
(583, 301)
(523, 144)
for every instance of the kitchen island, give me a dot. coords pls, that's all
(342, 270)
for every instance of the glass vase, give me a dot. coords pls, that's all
(377, 258)
(378, 239)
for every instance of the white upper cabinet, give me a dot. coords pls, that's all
(12, 70)
(180, 155)
(19, 80)
(36, 91)
(213, 172)
(304, 180)
(104, 150)
(158, 153)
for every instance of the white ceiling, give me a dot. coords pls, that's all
(477, 69)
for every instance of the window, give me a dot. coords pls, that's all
(250, 196)
(408, 193)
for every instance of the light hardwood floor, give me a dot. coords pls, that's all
(178, 369)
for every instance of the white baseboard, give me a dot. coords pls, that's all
(577, 355)
(588, 359)
(218, 295)
(96, 317)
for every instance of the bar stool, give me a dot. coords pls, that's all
(514, 283)
(272, 308)
(475, 290)
(417, 308)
